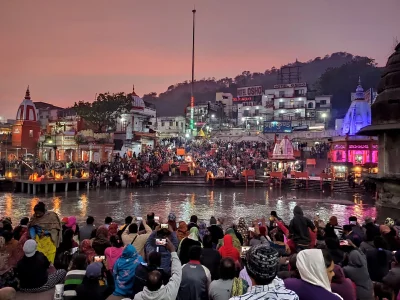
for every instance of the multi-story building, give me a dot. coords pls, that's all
(200, 115)
(292, 102)
(133, 128)
(169, 126)
(47, 113)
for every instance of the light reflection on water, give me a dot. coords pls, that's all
(184, 201)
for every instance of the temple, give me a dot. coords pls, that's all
(386, 125)
(283, 150)
(350, 148)
(26, 130)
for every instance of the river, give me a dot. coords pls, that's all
(230, 203)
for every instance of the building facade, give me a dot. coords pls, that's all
(134, 128)
(169, 126)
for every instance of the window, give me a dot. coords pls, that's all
(280, 115)
(171, 123)
(256, 112)
(246, 113)
(124, 124)
(281, 93)
(177, 124)
(301, 92)
(297, 115)
(181, 124)
(323, 102)
(310, 105)
(162, 124)
(281, 104)
(31, 133)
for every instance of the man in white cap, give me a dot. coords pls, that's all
(32, 271)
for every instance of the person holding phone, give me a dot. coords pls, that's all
(131, 236)
(124, 271)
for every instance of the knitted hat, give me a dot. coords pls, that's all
(93, 270)
(389, 222)
(213, 221)
(29, 248)
(262, 262)
(171, 216)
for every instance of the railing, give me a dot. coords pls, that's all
(292, 106)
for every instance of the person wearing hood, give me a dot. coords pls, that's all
(216, 231)
(392, 279)
(165, 254)
(184, 247)
(154, 289)
(343, 286)
(228, 250)
(114, 252)
(316, 271)
(101, 242)
(357, 271)
(378, 260)
(235, 240)
(299, 227)
(124, 271)
(182, 231)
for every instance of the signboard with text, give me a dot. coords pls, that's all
(250, 91)
(277, 126)
(290, 85)
(238, 99)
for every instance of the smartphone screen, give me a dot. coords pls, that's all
(161, 242)
(99, 258)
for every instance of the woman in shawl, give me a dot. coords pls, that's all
(86, 248)
(203, 230)
(243, 230)
(124, 271)
(192, 240)
(182, 231)
(235, 240)
(228, 249)
(71, 224)
(357, 271)
(343, 286)
(112, 229)
(7, 276)
(316, 271)
(101, 241)
(45, 229)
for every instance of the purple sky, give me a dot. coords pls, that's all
(70, 50)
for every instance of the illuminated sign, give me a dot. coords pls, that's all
(277, 126)
(250, 91)
(237, 99)
(290, 85)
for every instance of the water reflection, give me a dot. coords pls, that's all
(185, 201)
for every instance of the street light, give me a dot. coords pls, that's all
(213, 116)
(187, 135)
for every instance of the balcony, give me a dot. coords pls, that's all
(291, 95)
(290, 106)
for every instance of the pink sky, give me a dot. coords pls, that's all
(70, 50)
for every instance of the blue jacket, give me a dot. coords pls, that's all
(124, 271)
(165, 254)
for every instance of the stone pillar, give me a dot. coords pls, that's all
(34, 188)
(77, 185)
(54, 187)
(90, 155)
(66, 186)
(22, 187)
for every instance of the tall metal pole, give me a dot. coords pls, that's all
(192, 83)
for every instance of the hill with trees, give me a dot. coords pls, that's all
(334, 74)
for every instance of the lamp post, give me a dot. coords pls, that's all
(192, 83)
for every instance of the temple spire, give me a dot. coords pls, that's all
(359, 90)
(27, 94)
(359, 80)
(133, 90)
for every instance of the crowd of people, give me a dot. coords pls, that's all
(150, 258)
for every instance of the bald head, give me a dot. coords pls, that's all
(8, 293)
(154, 280)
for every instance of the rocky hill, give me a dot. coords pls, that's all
(177, 97)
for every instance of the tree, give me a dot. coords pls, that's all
(150, 96)
(103, 113)
(340, 82)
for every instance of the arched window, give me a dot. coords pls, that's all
(310, 105)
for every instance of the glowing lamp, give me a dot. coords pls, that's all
(57, 176)
(85, 175)
(9, 174)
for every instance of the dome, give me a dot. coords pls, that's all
(358, 114)
(137, 102)
(27, 109)
(283, 150)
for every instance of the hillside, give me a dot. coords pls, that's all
(177, 97)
